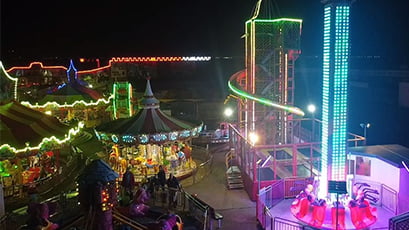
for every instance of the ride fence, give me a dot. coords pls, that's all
(389, 199)
(204, 161)
(190, 207)
(294, 185)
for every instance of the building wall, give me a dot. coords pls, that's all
(380, 172)
(404, 191)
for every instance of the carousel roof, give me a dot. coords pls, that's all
(150, 120)
(97, 171)
(71, 91)
(20, 125)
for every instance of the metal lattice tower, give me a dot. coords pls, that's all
(272, 47)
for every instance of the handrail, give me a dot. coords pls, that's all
(126, 220)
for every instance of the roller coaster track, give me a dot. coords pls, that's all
(242, 93)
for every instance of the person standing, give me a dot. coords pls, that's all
(161, 177)
(128, 183)
(161, 182)
(173, 187)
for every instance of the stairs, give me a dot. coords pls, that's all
(234, 180)
(233, 173)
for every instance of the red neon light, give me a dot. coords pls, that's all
(36, 63)
(94, 70)
(132, 59)
(114, 59)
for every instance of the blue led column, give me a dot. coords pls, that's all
(335, 89)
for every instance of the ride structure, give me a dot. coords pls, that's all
(265, 105)
(266, 86)
(148, 139)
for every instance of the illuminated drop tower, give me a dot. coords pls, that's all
(272, 47)
(336, 53)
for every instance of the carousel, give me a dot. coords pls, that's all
(30, 141)
(149, 139)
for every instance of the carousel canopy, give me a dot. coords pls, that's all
(71, 91)
(20, 125)
(149, 125)
(97, 171)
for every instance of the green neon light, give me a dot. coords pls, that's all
(335, 91)
(325, 101)
(115, 99)
(265, 101)
(72, 132)
(276, 20)
(128, 87)
(129, 99)
(339, 138)
(53, 103)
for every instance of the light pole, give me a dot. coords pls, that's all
(365, 126)
(228, 112)
(311, 108)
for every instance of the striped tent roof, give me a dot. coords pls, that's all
(20, 125)
(150, 120)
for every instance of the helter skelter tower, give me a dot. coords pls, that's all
(336, 52)
(272, 47)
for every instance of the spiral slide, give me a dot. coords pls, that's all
(264, 101)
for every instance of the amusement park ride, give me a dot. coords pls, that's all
(265, 92)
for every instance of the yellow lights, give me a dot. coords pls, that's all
(11, 78)
(53, 103)
(105, 204)
(82, 60)
(253, 137)
(71, 133)
(48, 112)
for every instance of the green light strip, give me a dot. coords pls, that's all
(277, 20)
(115, 99)
(265, 101)
(53, 103)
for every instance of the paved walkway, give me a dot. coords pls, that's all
(235, 205)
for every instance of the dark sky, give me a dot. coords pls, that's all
(37, 29)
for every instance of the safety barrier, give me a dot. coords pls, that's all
(389, 199)
(400, 222)
(283, 224)
(293, 186)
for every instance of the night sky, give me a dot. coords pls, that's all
(40, 29)
(48, 30)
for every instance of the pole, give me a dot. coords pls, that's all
(258, 179)
(313, 127)
(336, 226)
(365, 133)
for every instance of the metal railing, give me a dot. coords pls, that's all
(389, 199)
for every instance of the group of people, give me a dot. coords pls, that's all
(156, 183)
